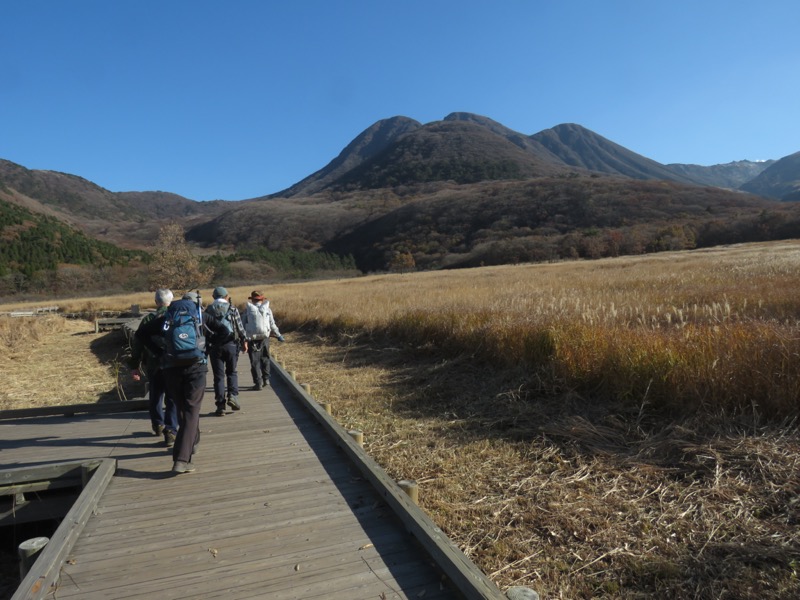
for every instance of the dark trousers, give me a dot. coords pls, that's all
(187, 385)
(162, 408)
(258, 351)
(223, 361)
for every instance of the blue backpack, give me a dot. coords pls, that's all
(183, 333)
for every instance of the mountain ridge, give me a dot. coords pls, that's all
(568, 146)
(566, 191)
(781, 179)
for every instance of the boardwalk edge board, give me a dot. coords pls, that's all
(47, 568)
(70, 410)
(465, 576)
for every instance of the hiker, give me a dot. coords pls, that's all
(259, 324)
(184, 367)
(163, 414)
(223, 350)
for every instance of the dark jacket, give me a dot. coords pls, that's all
(150, 334)
(141, 356)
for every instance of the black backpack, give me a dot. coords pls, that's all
(223, 313)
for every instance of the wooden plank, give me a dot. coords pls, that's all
(46, 569)
(43, 473)
(467, 578)
(70, 410)
(334, 541)
(265, 494)
(271, 492)
(245, 578)
(41, 486)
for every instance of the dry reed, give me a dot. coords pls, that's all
(50, 360)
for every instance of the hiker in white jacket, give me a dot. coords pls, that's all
(259, 324)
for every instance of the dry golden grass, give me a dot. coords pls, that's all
(54, 361)
(716, 328)
(613, 429)
(617, 429)
(560, 496)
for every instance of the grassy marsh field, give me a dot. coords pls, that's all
(621, 428)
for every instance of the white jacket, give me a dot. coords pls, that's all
(264, 309)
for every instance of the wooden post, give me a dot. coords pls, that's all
(96, 326)
(358, 436)
(27, 552)
(521, 593)
(327, 406)
(411, 488)
(306, 387)
(135, 309)
(293, 375)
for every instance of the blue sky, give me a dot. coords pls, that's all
(238, 99)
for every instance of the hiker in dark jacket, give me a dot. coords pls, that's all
(223, 350)
(185, 383)
(163, 414)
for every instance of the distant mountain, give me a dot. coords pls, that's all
(780, 180)
(551, 218)
(128, 219)
(74, 196)
(457, 150)
(467, 148)
(579, 147)
(367, 144)
(525, 142)
(729, 175)
(464, 148)
(462, 191)
(34, 242)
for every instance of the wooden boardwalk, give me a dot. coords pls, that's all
(276, 509)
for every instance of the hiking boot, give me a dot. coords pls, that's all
(183, 467)
(257, 387)
(169, 438)
(158, 430)
(233, 402)
(220, 412)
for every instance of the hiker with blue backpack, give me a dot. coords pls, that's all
(259, 324)
(163, 413)
(178, 337)
(223, 350)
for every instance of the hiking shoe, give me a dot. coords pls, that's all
(183, 467)
(220, 412)
(158, 430)
(233, 402)
(169, 438)
(257, 387)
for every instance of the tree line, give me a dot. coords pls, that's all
(33, 243)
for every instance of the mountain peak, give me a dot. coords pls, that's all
(373, 140)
